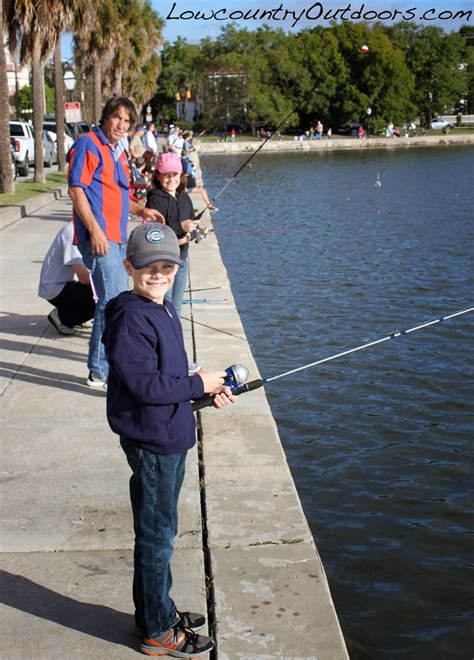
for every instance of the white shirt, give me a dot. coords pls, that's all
(150, 142)
(58, 264)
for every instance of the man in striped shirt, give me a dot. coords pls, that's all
(99, 186)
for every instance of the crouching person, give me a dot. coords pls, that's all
(148, 406)
(65, 283)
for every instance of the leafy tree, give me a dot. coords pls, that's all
(379, 79)
(467, 34)
(434, 58)
(182, 69)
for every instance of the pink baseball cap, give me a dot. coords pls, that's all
(168, 162)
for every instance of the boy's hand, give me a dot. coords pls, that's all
(223, 398)
(212, 381)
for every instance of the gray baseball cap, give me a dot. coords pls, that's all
(152, 242)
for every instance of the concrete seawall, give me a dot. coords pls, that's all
(336, 144)
(271, 595)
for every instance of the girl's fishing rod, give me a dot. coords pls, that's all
(269, 137)
(237, 374)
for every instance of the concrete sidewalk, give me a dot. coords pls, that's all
(67, 536)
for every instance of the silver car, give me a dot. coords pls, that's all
(50, 153)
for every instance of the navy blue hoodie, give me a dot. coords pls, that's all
(149, 390)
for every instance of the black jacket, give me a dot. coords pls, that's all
(175, 209)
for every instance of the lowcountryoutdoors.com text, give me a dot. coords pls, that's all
(318, 12)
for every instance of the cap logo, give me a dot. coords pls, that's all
(155, 236)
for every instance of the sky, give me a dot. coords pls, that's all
(197, 19)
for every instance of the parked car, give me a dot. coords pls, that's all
(50, 153)
(23, 145)
(79, 128)
(437, 122)
(51, 126)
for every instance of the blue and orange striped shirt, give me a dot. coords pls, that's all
(104, 175)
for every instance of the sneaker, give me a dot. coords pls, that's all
(191, 620)
(179, 642)
(95, 380)
(55, 321)
(87, 325)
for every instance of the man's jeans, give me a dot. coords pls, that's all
(110, 279)
(154, 492)
(176, 293)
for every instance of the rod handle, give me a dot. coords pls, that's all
(208, 399)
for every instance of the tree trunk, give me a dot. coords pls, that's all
(59, 90)
(97, 91)
(118, 83)
(38, 108)
(6, 177)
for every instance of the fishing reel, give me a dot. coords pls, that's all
(236, 379)
(199, 233)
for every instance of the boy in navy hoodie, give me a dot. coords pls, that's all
(148, 406)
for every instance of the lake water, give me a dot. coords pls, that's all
(379, 443)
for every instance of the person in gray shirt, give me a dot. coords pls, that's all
(65, 283)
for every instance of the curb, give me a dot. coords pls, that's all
(11, 214)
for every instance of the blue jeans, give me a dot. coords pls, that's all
(154, 492)
(176, 293)
(110, 279)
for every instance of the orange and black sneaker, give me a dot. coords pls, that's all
(179, 642)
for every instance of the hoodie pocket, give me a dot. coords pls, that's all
(181, 424)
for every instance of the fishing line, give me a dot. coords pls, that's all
(210, 327)
(234, 176)
(236, 374)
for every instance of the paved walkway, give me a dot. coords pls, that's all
(66, 562)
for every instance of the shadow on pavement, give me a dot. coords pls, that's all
(41, 349)
(48, 378)
(96, 620)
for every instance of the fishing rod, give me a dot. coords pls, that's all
(237, 374)
(203, 300)
(229, 181)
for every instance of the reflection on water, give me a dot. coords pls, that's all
(321, 260)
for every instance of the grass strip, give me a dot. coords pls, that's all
(27, 189)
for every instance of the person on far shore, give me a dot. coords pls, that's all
(148, 406)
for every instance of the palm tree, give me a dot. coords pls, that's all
(93, 43)
(30, 28)
(6, 178)
(67, 15)
(136, 64)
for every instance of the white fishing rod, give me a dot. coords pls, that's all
(237, 374)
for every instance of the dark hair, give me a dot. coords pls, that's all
(119, 102)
